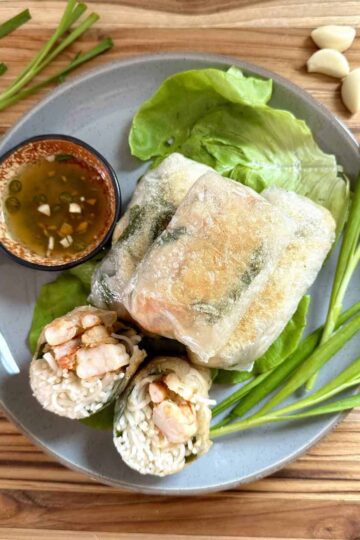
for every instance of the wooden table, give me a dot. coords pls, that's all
(319, 495)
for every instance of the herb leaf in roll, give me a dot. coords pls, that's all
(162, 420)
(295, 271)
(83, 361)
(154, 202)
(198, 278)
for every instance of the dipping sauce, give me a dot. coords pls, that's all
(56, 206)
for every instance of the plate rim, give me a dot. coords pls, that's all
(257, 70)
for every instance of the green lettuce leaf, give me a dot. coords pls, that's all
(221, 119)
(56, 298)
(84, 271)
(262, 147)
(282, 347)
(103, 419)
(288, 340)
(232, 377)
(164, 121)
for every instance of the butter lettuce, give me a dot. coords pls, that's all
(283, 346)
(222, 119)
(164, 122)
(103, 419)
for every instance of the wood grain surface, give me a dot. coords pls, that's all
(318, 496)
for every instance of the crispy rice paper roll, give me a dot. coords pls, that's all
(201, 274)
(153, 204)
(83, 360)
(162, 421)
(295, 272)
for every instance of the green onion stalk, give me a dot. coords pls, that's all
(349, 258)
(348, 378)
(254, 392)
(61, 39)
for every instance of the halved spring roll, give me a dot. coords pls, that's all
(83, 361)
(162, 421)
(297, 268)
(201, 274)
(153, 204)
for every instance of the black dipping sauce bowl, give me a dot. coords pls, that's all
(48, 147)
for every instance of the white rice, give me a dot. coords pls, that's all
(62, 392)
(138, 440)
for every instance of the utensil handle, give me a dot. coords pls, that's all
(6, 357)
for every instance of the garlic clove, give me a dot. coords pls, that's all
(335, 37)
(44, 209)
(328, 62)
(74, 208)
(51, 243)
(350, 91)
(67, 241)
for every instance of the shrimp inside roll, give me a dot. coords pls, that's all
(83, 359)
(163, 422)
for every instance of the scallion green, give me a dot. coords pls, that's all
(348, 260)
(12, 24)
(61, 39)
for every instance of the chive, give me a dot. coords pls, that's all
(63, 157)
(3, 68)
(329, 408)
(14, 23)
(73, 36)
(78, 10)
(348, 260)
(225, 376)
(336, 406)
(52, 48)
(346, 379)
(100, 48)
(243, 391)
(279, 374)
(314, 362)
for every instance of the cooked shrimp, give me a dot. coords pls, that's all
(60, 331)
(67, 348)
(96, 361)
(107, 318)
(173, 382)
(158, 392)
(96, 335)
(65, 353)
(89, 320)
(176, 422)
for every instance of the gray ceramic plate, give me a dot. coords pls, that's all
(98, 108)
